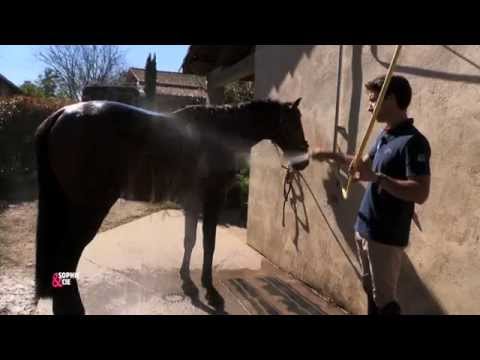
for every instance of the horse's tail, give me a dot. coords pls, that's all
(51, 210)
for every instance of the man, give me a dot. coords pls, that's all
(397, 169)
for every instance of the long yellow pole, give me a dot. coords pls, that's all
(381, 96)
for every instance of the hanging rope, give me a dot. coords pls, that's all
(339, 242)
(287, 188)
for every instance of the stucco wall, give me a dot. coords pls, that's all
(441, 269)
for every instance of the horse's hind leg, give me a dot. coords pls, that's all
(82, 225)
(66, 299)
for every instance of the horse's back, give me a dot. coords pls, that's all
(93, 144)
(101, 150)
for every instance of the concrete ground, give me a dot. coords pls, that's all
(134, 269)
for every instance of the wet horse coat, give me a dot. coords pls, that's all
(92, 153)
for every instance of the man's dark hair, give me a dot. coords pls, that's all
(399, 86)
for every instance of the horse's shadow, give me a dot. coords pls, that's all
(192, 292)
(293, 195)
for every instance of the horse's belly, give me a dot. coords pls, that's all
(88, 171)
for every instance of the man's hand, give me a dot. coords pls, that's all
(362, 171)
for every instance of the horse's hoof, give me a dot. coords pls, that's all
(68, 311)
(185, 274)
(67, 307)
(189, 288)
(214, 299)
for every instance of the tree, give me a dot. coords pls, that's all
(76, 66)
(44, 86)
(48, 82)
(31, 89)
(240, 91)
(150, 79)
(120, 78)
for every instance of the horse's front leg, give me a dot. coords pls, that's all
(191, 220)
(210, 219)
(188, 286)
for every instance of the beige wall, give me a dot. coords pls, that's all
(441, 270)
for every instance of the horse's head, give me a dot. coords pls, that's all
(289, 135)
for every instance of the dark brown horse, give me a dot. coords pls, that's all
(90, 154)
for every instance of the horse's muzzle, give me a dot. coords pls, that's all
(298, 162)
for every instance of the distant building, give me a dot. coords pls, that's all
(124, 94)
(174, 90)
(7, 88)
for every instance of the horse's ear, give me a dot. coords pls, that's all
(296, 103)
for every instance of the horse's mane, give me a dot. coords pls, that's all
(218, 115)
(254, 105)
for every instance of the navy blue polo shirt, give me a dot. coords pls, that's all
(399, 153)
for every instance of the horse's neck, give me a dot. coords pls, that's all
(241, 125)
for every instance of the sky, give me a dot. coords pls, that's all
(18, 62)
